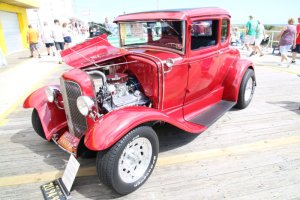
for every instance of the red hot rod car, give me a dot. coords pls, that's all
(174, 66)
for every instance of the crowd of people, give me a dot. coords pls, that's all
(255, 35)
(56, 37)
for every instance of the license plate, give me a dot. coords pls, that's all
(53, 191)
(69, 142)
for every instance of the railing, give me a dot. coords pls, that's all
(274, 36)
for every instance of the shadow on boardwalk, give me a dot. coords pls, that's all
(91, 187)
(288, 105)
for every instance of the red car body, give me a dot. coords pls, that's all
(198, 80)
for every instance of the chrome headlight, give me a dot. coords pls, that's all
(85, 105)
(170, 62)
(51, 93)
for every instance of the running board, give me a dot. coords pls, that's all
(212, 114)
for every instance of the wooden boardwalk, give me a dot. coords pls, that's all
(248, 154)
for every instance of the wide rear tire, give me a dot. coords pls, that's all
(128, 164)
(246, 89)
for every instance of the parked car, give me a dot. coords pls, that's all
(180, 71)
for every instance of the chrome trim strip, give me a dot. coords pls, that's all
(163, 81)
(154, 48)
(94, 92)
(182, 52)
(111, 65)
(160, 76)
(184, 37)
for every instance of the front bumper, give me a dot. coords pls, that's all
(67, 142)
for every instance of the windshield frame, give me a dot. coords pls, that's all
(182, 52)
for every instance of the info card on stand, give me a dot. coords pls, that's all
(70, 173)
(60, 189)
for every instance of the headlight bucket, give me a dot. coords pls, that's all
(85, 105)
(51, 93)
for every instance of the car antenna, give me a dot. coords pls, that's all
(87, 59)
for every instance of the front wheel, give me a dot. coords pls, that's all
(246, 89)
(36, 124)
(128, 164)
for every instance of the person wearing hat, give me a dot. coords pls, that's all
(250, 32)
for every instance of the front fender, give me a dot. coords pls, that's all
(52, 118)
(234, 78)
(114, 125)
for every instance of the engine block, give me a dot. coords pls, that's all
(118, 90)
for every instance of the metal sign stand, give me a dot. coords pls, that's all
(59, 189)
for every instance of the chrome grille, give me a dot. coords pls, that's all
(76, 121)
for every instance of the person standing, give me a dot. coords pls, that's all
(48, 39)
(33, 39)
(260, 35)
(287, 39)
(296, 47)
(58, 37)
(250, 32)
(235, 36)
(67, 35)
(107, 24)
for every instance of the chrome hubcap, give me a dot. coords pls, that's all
(135, 160)
(249, 89)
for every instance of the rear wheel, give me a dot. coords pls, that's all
(128, 164)
(36, 124)
(246, 89)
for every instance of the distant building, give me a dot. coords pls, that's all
(14, 24)
(50, 10)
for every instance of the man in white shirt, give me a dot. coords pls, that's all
(58, 37)
(108, 25)
(48, 38)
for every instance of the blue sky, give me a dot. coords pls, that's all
(268, 11)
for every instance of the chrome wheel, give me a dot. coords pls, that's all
(249, 89)
(135, 159)
(128, 164)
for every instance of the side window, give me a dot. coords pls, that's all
(204, 34)
(224, 33)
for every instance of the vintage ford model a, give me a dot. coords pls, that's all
(174, 66)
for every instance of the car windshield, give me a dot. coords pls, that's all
(162, 33)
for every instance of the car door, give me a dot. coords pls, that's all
(204, 59)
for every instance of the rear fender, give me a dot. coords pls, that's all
(52, 118)
(234, 78)
(113, 126)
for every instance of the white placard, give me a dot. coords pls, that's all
(70, 172)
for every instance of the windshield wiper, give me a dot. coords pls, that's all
(170, 26)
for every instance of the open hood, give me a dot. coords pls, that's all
(92, 51)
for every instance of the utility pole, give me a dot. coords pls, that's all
(157, 4)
